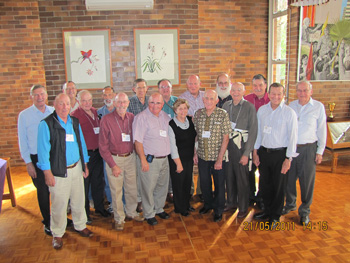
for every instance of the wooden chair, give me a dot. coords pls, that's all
(11, 193)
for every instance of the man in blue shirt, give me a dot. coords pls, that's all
(28, 122)
(63, 157)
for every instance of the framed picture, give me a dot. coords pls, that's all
(87, 58)
(157, 54)
(324, 42)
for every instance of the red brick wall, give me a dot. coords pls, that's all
(21, 61)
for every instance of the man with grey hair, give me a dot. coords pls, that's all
(223, 88)
(70, 89)
(312, 133)
(28, 122)
(244, 124)
(90, 125)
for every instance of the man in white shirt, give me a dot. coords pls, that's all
(312, 134)
(274, 149)
(70, 89)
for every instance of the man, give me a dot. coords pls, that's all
(212, 125)
(70, 89)
(165, 89)
(108, 96)
(194, 97)
(117, 149)
(258, 98)
(223, 87)
(312, 133)
(90, 125)
(150, 135)
(63, 157)
(274, 149)
(28, 122)
(244, 124)
(139, 101)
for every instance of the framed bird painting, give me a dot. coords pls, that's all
(87, 58)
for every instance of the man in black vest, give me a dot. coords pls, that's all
(63, 158)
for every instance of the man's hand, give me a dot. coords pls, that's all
(244, 160)
(256, 159)
(285, 166)
(318, 159)
(218, 164)
(144, 165)
(31, 170)
(179, 167)
(86, 173)
(116, 170)
(49, 178)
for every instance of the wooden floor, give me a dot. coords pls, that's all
(191, 239)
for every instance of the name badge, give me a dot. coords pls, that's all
(69, 138)
(267, 129)
(206, 134)
(233, 125)
(125, 137)
(96, 130)
(162, 133)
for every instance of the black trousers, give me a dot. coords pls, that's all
(42, 191)
(272, 182)
(96, 181)
(181, 185)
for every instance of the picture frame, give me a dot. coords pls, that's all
(87, 58)
(157, 55)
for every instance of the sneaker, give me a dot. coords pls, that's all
(110, 208)
(47, 230)
(119, 226)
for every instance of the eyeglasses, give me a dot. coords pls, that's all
(155, 103)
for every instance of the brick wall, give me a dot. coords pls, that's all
(22, 65)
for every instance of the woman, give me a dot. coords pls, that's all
(182, 137)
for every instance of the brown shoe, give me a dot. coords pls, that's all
(57, 242)
(85, 233)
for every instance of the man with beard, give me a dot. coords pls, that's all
(223, 87)
(70, 89)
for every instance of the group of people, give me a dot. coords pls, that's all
(138, 150)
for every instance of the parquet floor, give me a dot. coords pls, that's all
(187, 239)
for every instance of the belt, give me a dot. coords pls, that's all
(161, 157)
(72, 165)
(92, 151)
(122, 155)
(306, 144)
(270, 150)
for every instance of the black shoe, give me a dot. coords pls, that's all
(163, 215)
(69, 222)
(191, 209)
(88, 220)
(139, 207)
(217, 218)
(152, 221)
(185, 213)
(103, 213)
(273, 224)
(304, 220)
(261, 216)
(286, 209)
(170, 198)
(47, 230)
(204, 210)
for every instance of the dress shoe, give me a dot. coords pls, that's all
(230, 208)
(85, 232)
(88, 220)
(261, 216)
(204, 210)
(152, 221)
(304, 220)
(273, 224)
(170, 198)
(139, 207)
(217, 217)
(103, 212)
(242, 214)
(47, 230)
(287, 209)
(57, 242)
(185, 213)
(163, 215)
(191, 209)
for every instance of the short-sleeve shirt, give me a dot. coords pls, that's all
(218, 124)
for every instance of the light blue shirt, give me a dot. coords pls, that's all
(195, 103)
(104, 111)
(311, 123)
(72, 147)
(28, 122)
(277, 128)
(169, 110)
